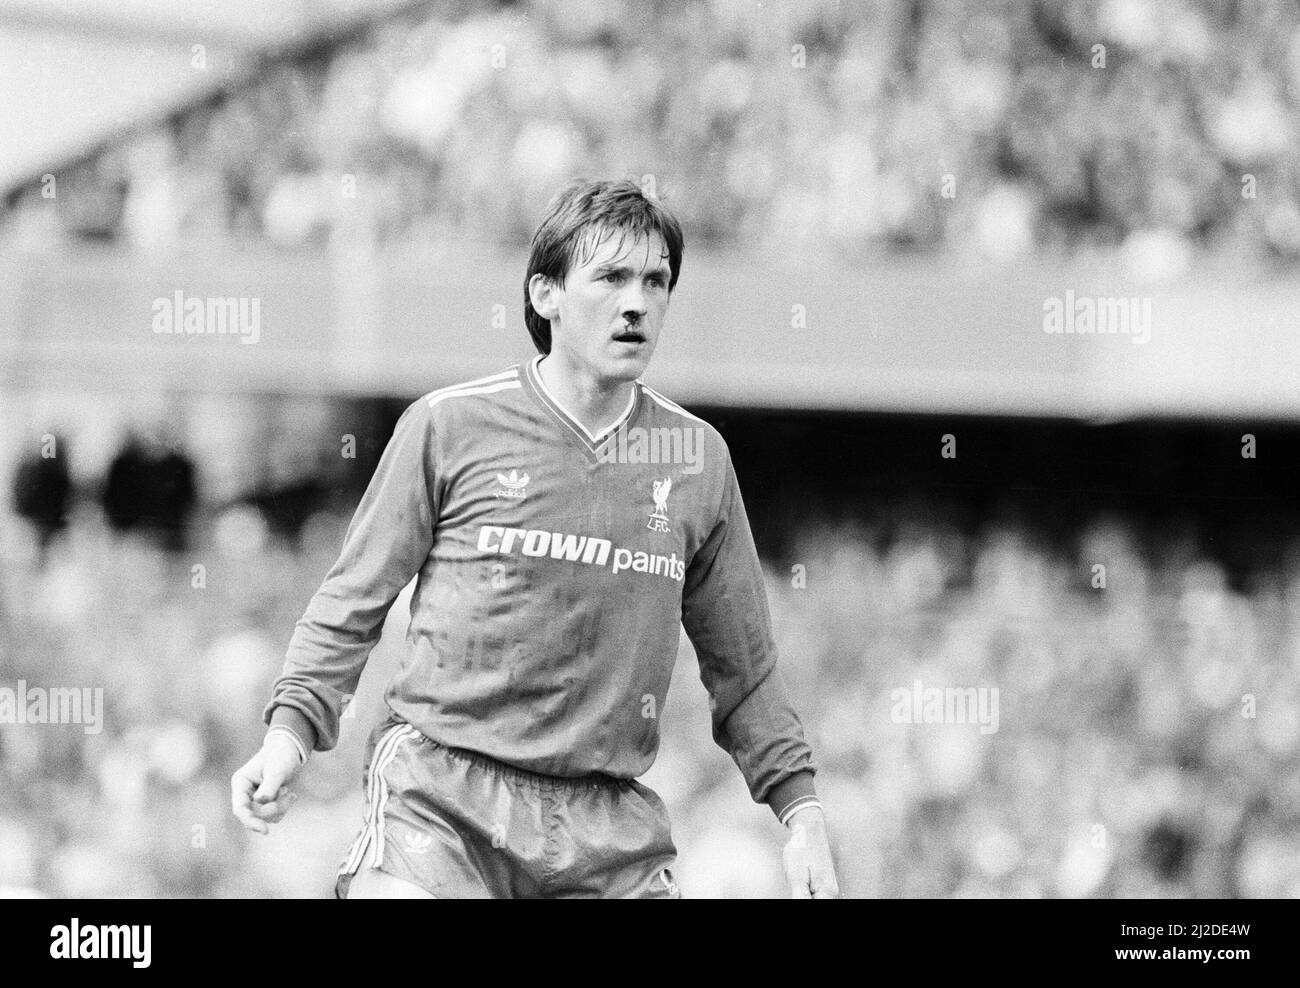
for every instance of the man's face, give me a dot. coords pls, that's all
(611, 307)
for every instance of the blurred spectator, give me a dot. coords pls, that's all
(287, 507)
(42, 492)
(151, 489)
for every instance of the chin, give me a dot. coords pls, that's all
(624, 368)
(630, 370)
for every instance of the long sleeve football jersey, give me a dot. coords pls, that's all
(554, 570)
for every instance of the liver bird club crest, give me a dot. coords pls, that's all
(659, 517)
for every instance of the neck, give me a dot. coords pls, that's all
(593, 402)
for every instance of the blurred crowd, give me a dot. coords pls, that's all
(1001, 128)
(1146, 740)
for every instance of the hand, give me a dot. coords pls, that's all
(807, 857)
(258, 791)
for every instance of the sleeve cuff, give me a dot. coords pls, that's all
(296, 721)
(791, 794)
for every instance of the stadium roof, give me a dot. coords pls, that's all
(79, 74)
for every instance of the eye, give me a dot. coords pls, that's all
(612, 277)
(657, 280)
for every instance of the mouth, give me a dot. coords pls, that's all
(633, 336)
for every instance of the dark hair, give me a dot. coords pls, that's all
(570, 218)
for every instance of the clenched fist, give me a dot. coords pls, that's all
(259, 793)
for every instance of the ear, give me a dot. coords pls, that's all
(544, 294)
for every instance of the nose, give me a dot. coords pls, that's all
(634, 304)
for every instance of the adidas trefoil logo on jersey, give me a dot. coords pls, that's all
(512, 485)
(659, 517)
(418, 843)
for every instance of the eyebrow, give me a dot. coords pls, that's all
(612, 266)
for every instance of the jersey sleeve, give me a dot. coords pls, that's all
(387, 542)
(725, 613)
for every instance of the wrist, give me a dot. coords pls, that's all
(282, 734)
(792, 793)
(297, 722)
(810, 814)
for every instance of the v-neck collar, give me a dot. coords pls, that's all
(570, 421)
